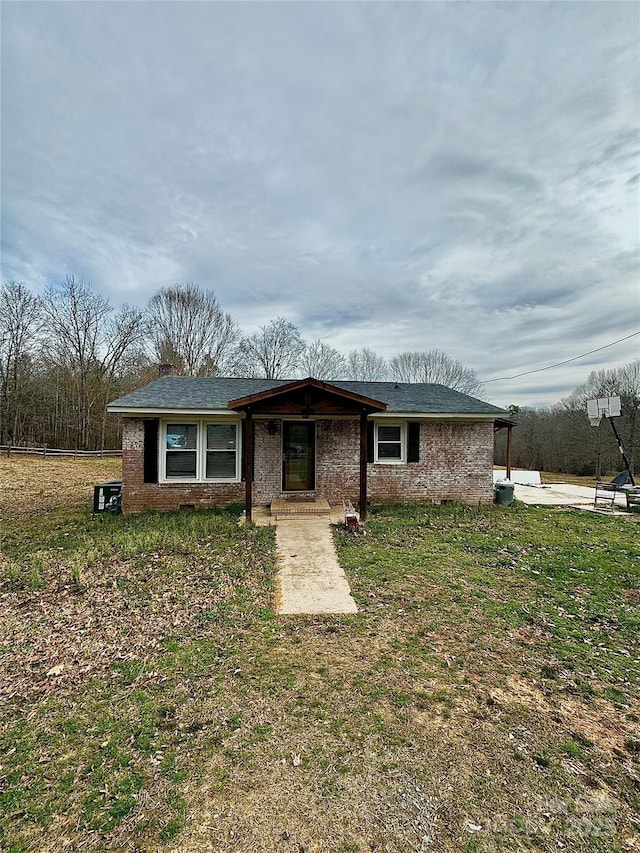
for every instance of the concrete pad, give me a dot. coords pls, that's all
(564, 494)
(310, 578)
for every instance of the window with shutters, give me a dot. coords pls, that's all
(201, 451)
(391, 443)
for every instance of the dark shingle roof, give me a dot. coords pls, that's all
(421, 397)
(184, 393)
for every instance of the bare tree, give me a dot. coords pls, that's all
(437, 367)
(560, 438)
(188, 328)
(323, 362)
(75, 315)
(89, 347)
(20, 320)
(623, 382)
(617, 381)
(364, 365)
(122, 349)
(274, 352)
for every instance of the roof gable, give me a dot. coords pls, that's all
(307, 396)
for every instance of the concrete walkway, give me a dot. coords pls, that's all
(310, 579)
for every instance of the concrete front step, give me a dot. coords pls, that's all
(283, 507)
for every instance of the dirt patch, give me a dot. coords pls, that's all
(597, 723)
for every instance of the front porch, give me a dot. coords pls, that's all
(264, 515)
(298, 406)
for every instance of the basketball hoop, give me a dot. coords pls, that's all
(609, 408)
(603, 407)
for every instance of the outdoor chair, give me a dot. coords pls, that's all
(633, 499)
(606, 492)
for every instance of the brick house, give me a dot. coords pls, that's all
(211, 441)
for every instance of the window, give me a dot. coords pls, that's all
(201, 451)
(221, 452)
(390, 443)
(181, 450)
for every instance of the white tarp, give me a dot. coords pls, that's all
(525, 478)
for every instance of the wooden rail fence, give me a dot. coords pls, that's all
(56, 451)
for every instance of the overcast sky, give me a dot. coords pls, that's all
(400, 176)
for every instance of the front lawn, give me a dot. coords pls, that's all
(483, 699)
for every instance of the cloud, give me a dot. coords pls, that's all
(398, 176)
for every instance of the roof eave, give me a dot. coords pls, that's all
(151, 411)
(464, 416)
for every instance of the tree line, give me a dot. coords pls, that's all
(560, 437)
(66, 353)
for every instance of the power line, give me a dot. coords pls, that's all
(560, 363)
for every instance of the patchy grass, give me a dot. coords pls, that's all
(112, 667)
(550, 477)
(35, 484)
(483, 699)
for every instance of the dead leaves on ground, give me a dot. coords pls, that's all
(60, 636)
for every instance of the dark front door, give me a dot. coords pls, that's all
(298, 456)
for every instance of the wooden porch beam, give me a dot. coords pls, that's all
(508, 460)
(248, 463)
(363, 466)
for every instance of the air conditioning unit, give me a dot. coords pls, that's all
(107, 497)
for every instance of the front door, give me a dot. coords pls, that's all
(298, 456)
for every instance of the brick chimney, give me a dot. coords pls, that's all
(167, 370)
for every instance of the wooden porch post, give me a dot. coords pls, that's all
(509, 430)
(363, 466)
(248, 463)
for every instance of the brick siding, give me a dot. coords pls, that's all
(456, 460)
(456, 463)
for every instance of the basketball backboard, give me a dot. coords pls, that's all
(603, 407)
